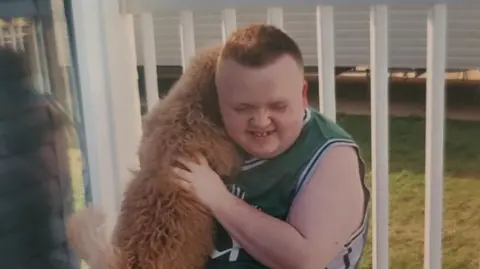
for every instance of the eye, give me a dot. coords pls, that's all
(279, 106)
(241, 108)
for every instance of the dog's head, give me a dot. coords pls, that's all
(187, 121)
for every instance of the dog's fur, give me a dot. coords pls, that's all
(162, 226)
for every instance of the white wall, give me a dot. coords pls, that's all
(407, 34)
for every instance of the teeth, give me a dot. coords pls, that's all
(261, 134)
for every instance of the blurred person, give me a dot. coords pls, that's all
(35, 186)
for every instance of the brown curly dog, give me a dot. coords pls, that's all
(162, 226)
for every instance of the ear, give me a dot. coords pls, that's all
(305, 94)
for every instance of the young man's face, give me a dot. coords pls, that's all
(262, 108)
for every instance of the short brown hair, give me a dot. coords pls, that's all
(257, 45)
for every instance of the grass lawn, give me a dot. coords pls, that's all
(461, 197)
(407, 162)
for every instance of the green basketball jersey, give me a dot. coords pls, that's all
(271, 185)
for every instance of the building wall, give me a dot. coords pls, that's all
(408, 33)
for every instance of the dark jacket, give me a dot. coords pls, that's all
(35, 194)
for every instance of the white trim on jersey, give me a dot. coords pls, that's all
(252, 164)
(308, 171)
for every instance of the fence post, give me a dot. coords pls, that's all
(326, 61)
(434, 144)
(147, 33)
(380, 132)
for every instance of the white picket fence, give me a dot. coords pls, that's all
(108, 81)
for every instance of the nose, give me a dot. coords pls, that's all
(260, 119)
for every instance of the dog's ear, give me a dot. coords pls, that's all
(210, 106)
(207, 63)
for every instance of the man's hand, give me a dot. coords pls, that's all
(202, 181)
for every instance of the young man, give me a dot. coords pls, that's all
(300, 199)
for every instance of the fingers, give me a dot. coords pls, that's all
(185, 184)
(191, 165)
(201, 159)
(181, 173)
(188, 164)
(183, 178)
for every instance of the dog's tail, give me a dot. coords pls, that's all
(87, 235)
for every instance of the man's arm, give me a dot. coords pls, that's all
(322, 218)
(331, 207)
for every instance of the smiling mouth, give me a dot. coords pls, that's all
(261, 134)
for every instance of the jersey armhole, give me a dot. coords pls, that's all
(354, 246)
(310, 168)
